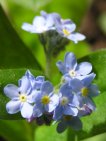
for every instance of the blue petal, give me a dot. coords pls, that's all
(11, 91)
(68, 110)
(70, 61)
(84, 68)
(61, 66)
(27, 110)
(47, 88)
(93, 90)
(76, 85)
(25, 85)
(58, 113)
(70, 27)
(13, 107)
(37, 112)
(61, 127)
(28, 27)
(54, 101)
(75, 123)
(66, 90)
(39, 21)
(76, 37)
(89, 102)
(88, 79)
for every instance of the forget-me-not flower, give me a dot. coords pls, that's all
(69, 121)
(66, 29)
(71, 69)
(85, 90)
(45, 100)
(36, 82)
(21, 98)
(67, 103)
(41, 24)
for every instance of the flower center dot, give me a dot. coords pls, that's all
(66, 32)
(64, 101)
(23, 98)
(45, 99)
(72, 73)
(84, 91)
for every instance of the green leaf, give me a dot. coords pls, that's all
(95, 123)
(13, 52)
(16, 130)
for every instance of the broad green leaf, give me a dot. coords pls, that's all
(95, 123)
(16, 130)
(13, 52)
(50, 134)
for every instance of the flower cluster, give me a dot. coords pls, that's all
(65, 104)
(53, 22)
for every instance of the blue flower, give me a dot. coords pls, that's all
(85, 90)
(70, 69)
(21, 98)
(45, 100)
(66, 29)
(69, 121)
(36, 82)
(67, 103)
(41, 24)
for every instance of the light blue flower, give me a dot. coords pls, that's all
(36, 82)
(45, 100)
(71, 69)
(41, 24)
(21, 98)
(69, 121)
(67, 103)
(66, 29)
(85, 90)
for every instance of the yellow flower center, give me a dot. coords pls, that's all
(84, 91)
(45, 99)
(23, 98)
(72, 73)
(64, 101)
(66, 32)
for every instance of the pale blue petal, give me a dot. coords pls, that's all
(28, 27)
(66, 90)
(89, 102)
(13, 107)
(68, 110)
(54, 101)
(76, 37)
(93, 90)
(11, 91)
(70, 61)
(88, 79)
(25, 85)
(26, 110)
(61, 66)
(47, 88)
(69, 27)
(58, 113)
(84, 68)
(76, 85)
(39, 21)
(37, 112)
(61, 127)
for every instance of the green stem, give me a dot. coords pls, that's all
(48, 65)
